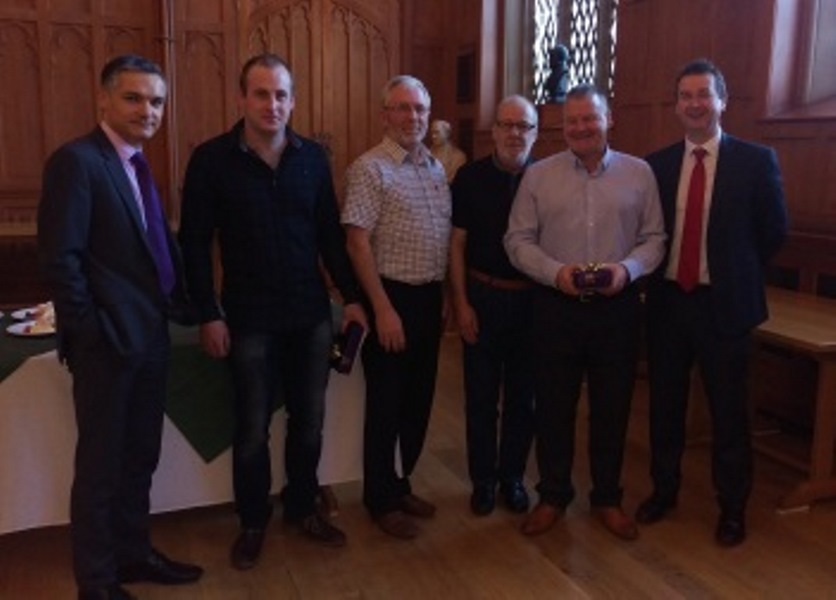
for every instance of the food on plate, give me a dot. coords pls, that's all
(43, 319)
(36, 327)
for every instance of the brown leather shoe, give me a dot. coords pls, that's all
(417, 507)
(617, 522)
(322, 531)
(541, 519)
(397, 524)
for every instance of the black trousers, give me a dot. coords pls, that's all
(682, 332)
(499, 366)
(598, 340)
(119, 405)
(399, 393)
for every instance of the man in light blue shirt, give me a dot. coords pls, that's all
(586, 223)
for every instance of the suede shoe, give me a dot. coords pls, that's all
(158, 568)
(514, 496)
(731, 530)
(483, 499)
(417, 507)
(321, 530)
(541, 519)
(617, 522)
(247, 549)
(653, 509)
(397, 524)
(113, 592)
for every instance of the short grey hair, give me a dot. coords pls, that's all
(520, 100)
(405, 81)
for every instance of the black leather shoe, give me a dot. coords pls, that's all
(113, 592)
(158, 568)
(653, 509)
(247, 549)
(515, 496)
(731, 530)
(483, 499)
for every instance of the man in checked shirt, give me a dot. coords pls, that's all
(397, 215)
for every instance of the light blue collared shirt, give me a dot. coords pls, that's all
(564, 215)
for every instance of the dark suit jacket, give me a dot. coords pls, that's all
(94, 252)
(747, 224)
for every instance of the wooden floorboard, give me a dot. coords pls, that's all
(461, 556)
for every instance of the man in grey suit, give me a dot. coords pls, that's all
(725, 217)
(113, 270)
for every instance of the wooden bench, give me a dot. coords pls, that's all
(806, 324)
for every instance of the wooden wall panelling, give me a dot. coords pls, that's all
(51, 53)
(341, 54)
(204, 80)
(750, 42)
(22, 130)
(287, 29)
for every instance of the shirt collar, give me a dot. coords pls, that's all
(400, 155)
(602, 166)
(498, 164)
(123, 148)
(293, 138)
(712, 146)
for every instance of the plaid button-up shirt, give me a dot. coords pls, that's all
(404, 203)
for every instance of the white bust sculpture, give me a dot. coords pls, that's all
(443, 149)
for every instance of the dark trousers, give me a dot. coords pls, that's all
(266, 366)
(119, 414)
(597, 339)
(499, 362)
(681, 331)
(399, 394)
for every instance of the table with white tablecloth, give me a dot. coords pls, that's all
(37, 441)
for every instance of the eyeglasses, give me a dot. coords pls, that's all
(405, 108)
(522, 126)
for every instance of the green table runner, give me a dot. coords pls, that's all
(199, 397)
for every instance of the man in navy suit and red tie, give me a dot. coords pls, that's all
(725, 218)
(115, 276)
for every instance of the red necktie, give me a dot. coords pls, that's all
(688, 273)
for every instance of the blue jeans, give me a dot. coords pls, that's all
(268, 367)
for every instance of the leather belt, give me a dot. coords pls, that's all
(499, 283)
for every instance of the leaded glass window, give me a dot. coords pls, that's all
(588, 30)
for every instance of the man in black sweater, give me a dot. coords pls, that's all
(268, 195)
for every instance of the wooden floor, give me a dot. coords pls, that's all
(462, 556)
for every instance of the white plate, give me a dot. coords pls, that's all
(20, 330)
(24, 314)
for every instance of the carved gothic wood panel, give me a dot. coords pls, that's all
(51, 52)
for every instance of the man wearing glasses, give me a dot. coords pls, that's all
(492, 305)
(397, 215)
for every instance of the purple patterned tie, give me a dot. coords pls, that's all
(155, 227)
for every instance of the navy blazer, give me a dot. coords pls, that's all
(94, 253)
(747, 224)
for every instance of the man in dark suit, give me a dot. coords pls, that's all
(113, 270)
(725, 217)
